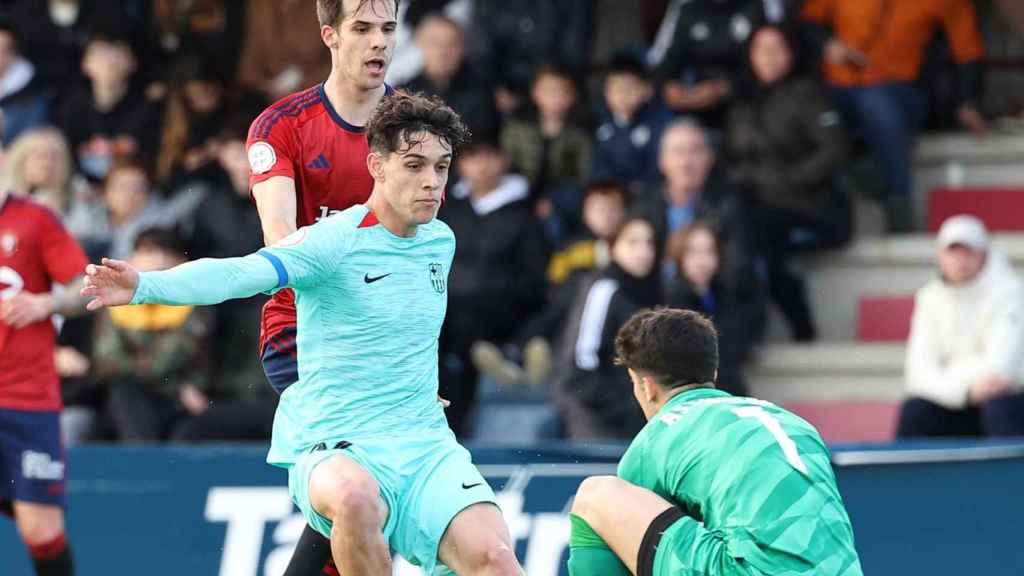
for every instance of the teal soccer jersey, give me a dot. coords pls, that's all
(756, 475)
(370, 307)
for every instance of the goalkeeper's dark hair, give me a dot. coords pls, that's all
(402, 116)
(674, 347)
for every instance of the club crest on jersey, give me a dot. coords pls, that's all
(262, 157)
(437, 277)
(8, 243)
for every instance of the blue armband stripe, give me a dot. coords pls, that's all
(282, 274)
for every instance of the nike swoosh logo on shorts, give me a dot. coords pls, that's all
(468, 486)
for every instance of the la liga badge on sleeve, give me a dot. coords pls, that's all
(262, 157)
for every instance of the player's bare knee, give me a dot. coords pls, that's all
(500, 560)
(356, 503)
(592, 492)
(494, 558)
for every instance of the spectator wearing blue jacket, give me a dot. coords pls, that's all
(631, 124)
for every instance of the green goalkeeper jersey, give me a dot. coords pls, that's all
(756, 475)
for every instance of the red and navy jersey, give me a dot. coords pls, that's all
(35, 253)
(303, 138)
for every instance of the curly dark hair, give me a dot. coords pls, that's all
(401, 116)
(674, 347)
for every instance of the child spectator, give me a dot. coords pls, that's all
(225, 224)
(630, 126)
(604, 208)
(23, 98)
(112, 117)
(551, 150)
(593, 393)
(498, 272)
(127, 206)
(697, 286)
(152, 357)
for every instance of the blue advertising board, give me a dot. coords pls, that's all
(221, 511)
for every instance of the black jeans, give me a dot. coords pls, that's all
(1001, 416)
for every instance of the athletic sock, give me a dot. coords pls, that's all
(312, 556)
(52, 558)
(589, 555)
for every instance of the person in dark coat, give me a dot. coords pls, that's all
(498, 275)
(706, 58)
(692, 188)
(513, 38)
(593, 394)
(448, 75)
(786, 143)
(698, 286)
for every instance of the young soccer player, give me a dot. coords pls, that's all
(371, 461)
(307, 153)
(35, 253)
(714, 484)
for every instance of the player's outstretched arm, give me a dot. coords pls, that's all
(202, 282)
(112, 283)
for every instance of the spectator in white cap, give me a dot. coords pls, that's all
(965, 358)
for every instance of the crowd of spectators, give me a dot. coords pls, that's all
(672, 152)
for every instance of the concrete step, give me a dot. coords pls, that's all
(961, 160)
(871, 266)
(850, 392)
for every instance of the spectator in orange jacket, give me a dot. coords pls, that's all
(872, 52)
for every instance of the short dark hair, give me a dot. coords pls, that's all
(674, 347)
(332, 12)
(159, 239)
(126, 163)
(402, 115)
(607, 188)
(627, 63)
(555, 70)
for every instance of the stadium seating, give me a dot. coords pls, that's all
(1001, 209)
(884, 318)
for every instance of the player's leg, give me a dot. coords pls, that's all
(477, 542)
(650, 535)
(619, 512)
(312, 555)
(33, 465)
(41, 527)
(589, 554)
(345, 494)
(450, 514)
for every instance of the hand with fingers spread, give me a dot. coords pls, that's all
(112, 283)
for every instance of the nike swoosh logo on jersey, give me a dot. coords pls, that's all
(468, 486)
(371, 279)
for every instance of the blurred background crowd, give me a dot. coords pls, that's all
(626, 154)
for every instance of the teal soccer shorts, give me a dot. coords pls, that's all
(425, 482)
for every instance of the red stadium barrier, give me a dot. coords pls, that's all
(884, 318)
(1001, 209)
(850, 422)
